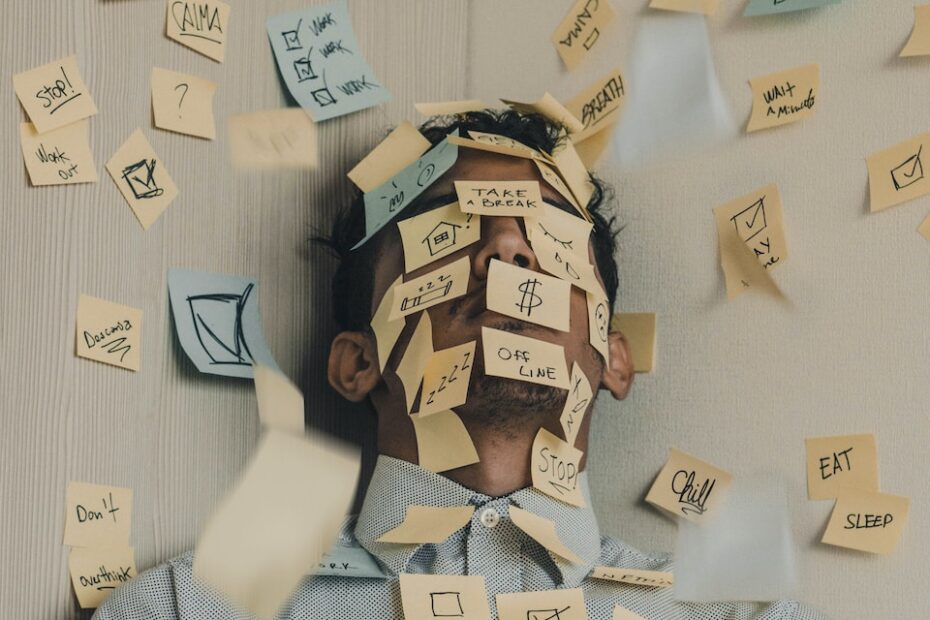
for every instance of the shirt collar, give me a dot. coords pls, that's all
(396, 484)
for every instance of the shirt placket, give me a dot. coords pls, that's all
(493, 548)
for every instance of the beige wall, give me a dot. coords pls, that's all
(740, 384)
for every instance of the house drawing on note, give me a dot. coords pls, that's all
(441, 237)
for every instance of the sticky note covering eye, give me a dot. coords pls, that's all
(784, 97)
(525, 359)
(443, 442)
(438, 286)
(707, 7)
(272, 139)
(437, 233)
(503, 198)
(58, 157)
(867, 521)
(528, 295)
(183, 103)
(639, 329)
(555, 466)
(108, 332)
(689, 487)
(403, 146)
(445, 380)
(142, 179)
(567, 604)
(429, 524)
(768, 7)
(919, 43)
(97, 515)
(838, 463)
(581, 30)
(54, 95)
(201, 25)
(541, 530)
(426, 597)
(576, 404)
(97, 571)
(898, 174)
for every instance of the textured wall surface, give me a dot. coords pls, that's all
(740, 384)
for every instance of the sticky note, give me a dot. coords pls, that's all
(551, 108)
(634, 576)
(436, 234)
(292, 500)
(425, 597)
(554, 258)
(621, 613)
(108, 332)
(97, 571)
(428, 524)
(600, 103)
(438, 286)
(542, 530)
(867, 521)
(768, 7)
(580, 30)
(552, 178)
(443, 442)
(576, 404)
(217, 321)
(707, 7)
(525, 359)
(321, 62)
(919, 42)
(528, 295)
(639, 329)
(345, 561)
(446, 377)
(897, 174)
(599, 323)
(555, 466)
(563, 604)
(689, 487)
(386, 331)
(924, 228)
(784, 97)
(449, 108)
(58, 157)
(54, 95)
(183, 103)
(502, 145)
(403, 146)
(280, 402)
(416, 358)
(838, 463)
(201, 25)
(567, 231)
(142, 179)
(499, 198)
(270, 139)
(591, 148)
(97, 515)
(572, 170)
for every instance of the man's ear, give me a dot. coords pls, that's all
(353, 369)
(618, 373)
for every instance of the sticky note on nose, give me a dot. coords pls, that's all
(838, 463)
(528, 295)
(867, 521)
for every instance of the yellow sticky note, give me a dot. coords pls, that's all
(707, 7)
(576, 176)
(525, 359)
(555, 466)
(438, 286)
(639, 329)
(508, 144)
(97, 515)
(553, 257)
(201, 25)
(576, 404)
(54, 95)
(416, 357)
(784, 97)
(566, 604)
(867, 521)
(591, 147)
(183, 103)
(426, 597)
(445, 380)
(436, 234)
(838, 463)
(403, 146)
(528, 295)
(447, 108)
(551, 108)
(503, 198)
(108, 332)
(142, 179)
(567, 231)
(621, 613)
(919, 42)
(58, 157)
(428, 524)
(552, 178)
(599, 323)
(270, 139)
(581, 29)
(494, 146)
(542, 530)
(599, 104)
(689, 487)
(386, 331)
(635, 576)
(897, 174)
(443, 442)
(924, 228)
(280, 402)
(97, 571)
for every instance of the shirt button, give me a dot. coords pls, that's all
(490, 517)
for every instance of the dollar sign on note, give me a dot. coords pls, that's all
(530, 299)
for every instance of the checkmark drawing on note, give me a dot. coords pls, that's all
(908, 172)
(750, 221)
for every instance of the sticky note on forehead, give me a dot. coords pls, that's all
(54, 95)
(838, 463)
(446, 377)
(784, 97)
(689, 487)
(438, 286)
(201, 25)
(109, 332)
(500, 198)
(867, 521)
(525, 359)
(437, 233)
(97, 515)
(555, 466)
(528, 295)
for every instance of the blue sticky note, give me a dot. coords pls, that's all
(321, 63)
(383, 203)
(217, 321)
(769, 7)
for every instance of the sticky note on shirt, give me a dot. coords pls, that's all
(386, 331)
(707, 7)
(270, 139)
(428, 524)
(634, 576)
(555, 466)
(867, 521)
(542, 530)
(565, 604)
(97, 571)
(183, 103)
(443, 442)
(689, 487)
(919, 42)
(769, 7)
(528, 295)
(437, 233)
(503, 198)
(201, 25)
(621, 613)
(581, 29)
(403, 146)
(58, 157)
(321, 62)
(142, 179)
(600, 103)
(639, 329)
(416, 357)
(525, 359)
(426, 597)
(576, 404)
(54, 95)
(599, 323)
(838, 463)
(784, 97)
(97, 515)
(897, 174)
(438, 286)
(109, 332)
(446, 377)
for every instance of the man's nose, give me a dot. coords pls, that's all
(502, 238)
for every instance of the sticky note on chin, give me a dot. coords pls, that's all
(518, 357)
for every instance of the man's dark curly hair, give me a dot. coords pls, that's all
(353, 282)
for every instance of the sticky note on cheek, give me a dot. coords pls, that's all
(838, 463)
(784, 97)
(97, 571)
(689, 487)
(525, 359)
(97, 515)
(443, 284)
(183, 103)
(867, 521)
(437, 233)
(108, 332)
(54, 95)
(555, 466)
(58, 157)
(201, 25)
(528, 295)
(445, 380)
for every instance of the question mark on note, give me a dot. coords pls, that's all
(468, 220)
(181, 100)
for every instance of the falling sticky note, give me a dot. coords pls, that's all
(201, 25)
(183, 103)
(897, 174)
(599, 323)
(562, 604)
(403, 146)
(639, 329)
(555, 466)
(108, 332)
(552, 109)
(54, 95)
(446, 377)
(437, 233)
(97, 515)
(270, 139)
(838, 463)
(867, 521)
(426, 597)
(592, 147)
(428, 524)
(599, 105)
(580, 30)
(784, 97)
(576, 404)
(689, 487)
(97, 571)
(438, 286)
(768, 7)
(280, 402)
(449, 108)
(292, 500)
(542, 530)
(416, 358)
(528, 295)
(142, 179)
(58, 157)
(924, 228)
(622, 613)
(321, 62)
(443, 442)
(499, 198)
(707, 7)
(634, 576)
(217, 322)
(525, 359)
(386, 331)
(919, 43)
